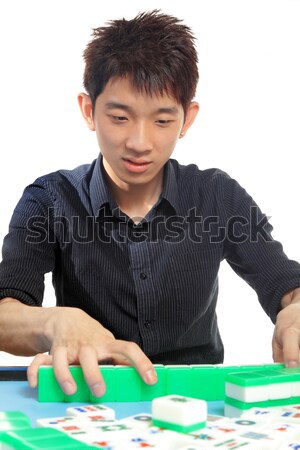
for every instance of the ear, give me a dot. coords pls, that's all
(190, 116)
(85, 104)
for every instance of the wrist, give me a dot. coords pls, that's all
(291, 298)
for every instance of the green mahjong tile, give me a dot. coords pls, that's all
(265, 404)
(293, 372)
(128, 384)
(31, 434)
(179, 428)
(272, 366)
(109, 375)
(12, 415)
(41, 439)
(222, 372)
(203, 381)
(15, 424)
(48, 388)
(276, 376)
(159, 389)
(178, 380)
(247, 379)
(83, 393)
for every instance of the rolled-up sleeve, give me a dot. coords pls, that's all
(28, 252)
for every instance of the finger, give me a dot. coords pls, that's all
(277, 349)
(62, 371)
(92, 375)
(121, 362)
(290, 347)
(33, 369)
(137, 357)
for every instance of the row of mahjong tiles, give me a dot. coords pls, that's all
(197, 381)
(186, 426)
(284, 433)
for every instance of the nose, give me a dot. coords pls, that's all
(139, 138)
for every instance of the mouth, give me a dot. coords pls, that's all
(134, 165)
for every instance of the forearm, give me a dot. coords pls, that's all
(22, 328)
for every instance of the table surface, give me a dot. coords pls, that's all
(18, 396)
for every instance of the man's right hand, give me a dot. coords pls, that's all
(72, 337)
(76, 338)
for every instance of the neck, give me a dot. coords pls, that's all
(136, 200)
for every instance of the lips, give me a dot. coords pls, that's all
(136, 166)
(136, 162)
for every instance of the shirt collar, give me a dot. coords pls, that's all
(170, 186)
(99, 191)
(101, 196)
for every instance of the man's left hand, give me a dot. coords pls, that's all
(286, 337)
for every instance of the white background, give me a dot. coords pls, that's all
(249, 123)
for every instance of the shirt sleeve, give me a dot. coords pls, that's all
(28, 249)
(250, 248)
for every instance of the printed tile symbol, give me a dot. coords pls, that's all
(179, 399)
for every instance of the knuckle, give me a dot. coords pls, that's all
(128, 347)
(291, 331)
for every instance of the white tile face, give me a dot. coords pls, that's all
(221, 431)
(206, 436)
(193, 447)
(246, 394)
(245, 424)
(279, 390)
(179, 410)
(294, 408)
(139, 421)
(94, 422)
(112, 431)
(284, 430)
(265, 414)
(143, 439)
(57, 422)
(232, 411)
(99, 411)
(211, 419)
(295, 389)
(290, 416)
(237, 443)
(165, 439)
(110, 444)
(290, 445)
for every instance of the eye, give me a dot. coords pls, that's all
(119, 119)
(163, 122)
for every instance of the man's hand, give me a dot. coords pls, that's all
(286, 337)
(75, 338)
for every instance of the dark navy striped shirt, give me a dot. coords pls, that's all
(155, 283)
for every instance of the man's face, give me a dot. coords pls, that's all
(136, 133)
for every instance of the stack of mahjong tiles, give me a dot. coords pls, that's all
(95, 426)
(263, 388)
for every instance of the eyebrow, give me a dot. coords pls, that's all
(116, 105)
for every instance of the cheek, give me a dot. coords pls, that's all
(108, 138)
(167, 144)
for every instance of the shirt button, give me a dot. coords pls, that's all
(147, 323)
(143, 276)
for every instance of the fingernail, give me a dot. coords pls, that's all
(31, 381)
(151, 376)
(292, 364)
(68, 388)
(98, 390)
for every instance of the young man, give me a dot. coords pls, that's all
(135, 240)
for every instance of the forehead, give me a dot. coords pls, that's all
(121, 91)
